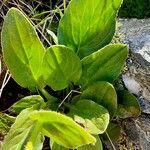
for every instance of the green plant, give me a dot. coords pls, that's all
(82, 59)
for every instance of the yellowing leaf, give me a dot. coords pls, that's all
(29, 146)
(21, 134)
(128, 105)
(92, 116)
(62, 129)
(97, 146)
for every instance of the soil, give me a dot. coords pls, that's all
(12, 93)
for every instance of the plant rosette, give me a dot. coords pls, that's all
(82, 58)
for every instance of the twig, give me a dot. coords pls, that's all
(72, 91)
(5, 81)
(113, 146)
(64, 3)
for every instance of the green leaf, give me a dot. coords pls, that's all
(52, 34)
(22, 133)
(128, 105)
(75, 99)
(5, 123)
(97, 146)
(113, 131)
(93, 117)
(55, 146)
(88, 25)
(60, 67)
(104, 65)
(22, 49)
(62, 129)
(34, 101)
(102, 93)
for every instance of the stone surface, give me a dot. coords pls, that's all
(135, 134)
(138, 131)
(136, 33)
(136, 78)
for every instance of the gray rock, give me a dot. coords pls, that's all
(135, 134)
(138, 131)
(136, 33)
(143, 124)
(136, 78)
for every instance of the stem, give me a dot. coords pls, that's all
(64, 3)
(47, 95)
(113, 146)
(69, 106)
(67, 97)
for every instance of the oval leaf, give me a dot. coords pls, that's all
(93, 117)
(52, 34)
(104, 65)
(5, 123)
(21, 134)
(88, 25)
(128, 105)
(113, 131)
(97, 146)
(35, 101)
(62, 129)
(60, 67)
(22, 49)
(102, 93)
(55, 146)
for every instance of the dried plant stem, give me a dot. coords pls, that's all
(113, 146)
(72, 91)
(5, 81)
(64, 3)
